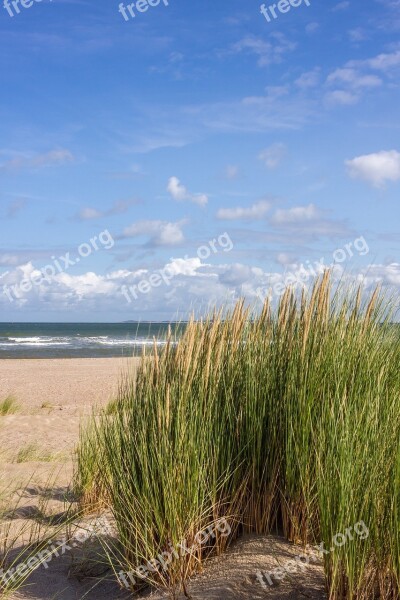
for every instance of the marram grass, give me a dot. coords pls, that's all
(285, 421)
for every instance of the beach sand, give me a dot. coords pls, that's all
(55, 396)
(36, 455)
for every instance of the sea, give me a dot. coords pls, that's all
(81, 340)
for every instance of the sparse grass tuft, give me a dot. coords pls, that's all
(32, 452)
(48, 405)
(9, 406)
(27, 453)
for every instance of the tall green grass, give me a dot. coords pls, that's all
(288, 420)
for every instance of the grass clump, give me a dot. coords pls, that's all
(287, 420)
(32, 452)
(9, 406)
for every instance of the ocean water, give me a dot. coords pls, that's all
(79, 340)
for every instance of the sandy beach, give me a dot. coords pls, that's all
(54, 397)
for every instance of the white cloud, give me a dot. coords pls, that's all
(185, 266)
(357, 35)
(256, 211)
(309, 222)
(377, 168)
(357, 77)
(86, 214)
(267, 52)
(308, 79)
(195, 286)
(311, 27)
(9, 260)
(119, 207)
(354, 83)
(341, 97)
(295, 215)
(181, 194)
(387, 275)
(383, 62)
(85, 285)
(341, 6)
(162, 233)
(54, 157)
(353, 78)
(273, 155)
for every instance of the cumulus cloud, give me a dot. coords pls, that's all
(352, 83)
(9, 260)
(52, 158)
(195, 286)
(181, 194)
(309, 223)
(255, 211)
(273, 155)
(341, 97)
(357, 77)
(295, 215)
(309, 79)
(386, 275)
(377, 168)
(161, 233)
(354, 78)
(381, 62)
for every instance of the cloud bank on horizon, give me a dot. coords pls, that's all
(181, 125)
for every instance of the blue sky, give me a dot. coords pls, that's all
(186, 123)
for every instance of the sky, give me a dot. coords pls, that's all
(167, 161)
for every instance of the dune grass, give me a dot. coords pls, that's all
(285, 421)
(8, 406)
(33, 452)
